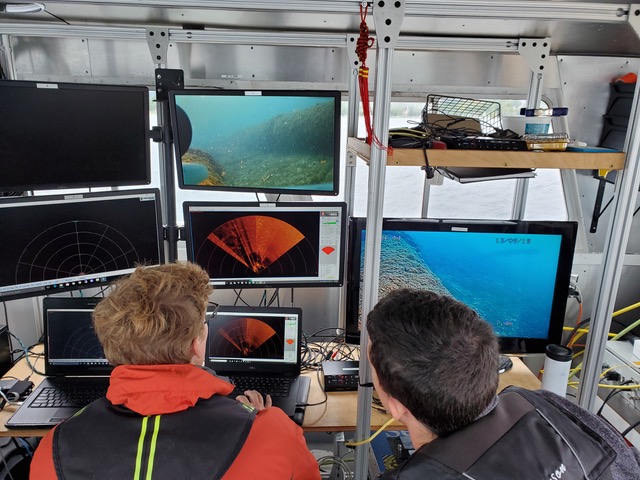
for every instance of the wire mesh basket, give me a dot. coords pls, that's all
(485, 112)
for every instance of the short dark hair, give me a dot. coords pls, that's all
(435, 355)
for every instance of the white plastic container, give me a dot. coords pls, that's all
(557, 364)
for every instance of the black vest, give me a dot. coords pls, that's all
(524, 437)
(110, 442)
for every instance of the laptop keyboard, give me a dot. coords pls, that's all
(274, 386)
(76, 396)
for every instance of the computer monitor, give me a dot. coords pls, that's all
(65, 135)
(271, 141)
(56, 243)
(515, 274)
(259, 245)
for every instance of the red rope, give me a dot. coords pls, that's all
(364, 43)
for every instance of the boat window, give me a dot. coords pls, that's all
(493, 199)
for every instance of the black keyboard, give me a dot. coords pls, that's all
(70, 396)
(274, 386)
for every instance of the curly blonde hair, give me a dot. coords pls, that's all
(153, 315)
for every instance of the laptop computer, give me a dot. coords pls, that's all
(74, 364)
(258, 348)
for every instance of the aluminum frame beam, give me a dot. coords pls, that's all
(520, 9)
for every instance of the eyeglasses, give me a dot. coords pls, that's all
(212, 308)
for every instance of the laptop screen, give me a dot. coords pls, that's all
(71, 345)
(255, 340)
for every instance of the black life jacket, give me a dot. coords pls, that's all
(525, 437)
(112, 442)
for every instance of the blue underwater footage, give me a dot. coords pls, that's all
(508, 279)
(260, 142)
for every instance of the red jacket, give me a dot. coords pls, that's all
(275, 448)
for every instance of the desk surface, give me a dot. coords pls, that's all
(338, 413)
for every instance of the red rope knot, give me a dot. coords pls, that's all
(364, 40)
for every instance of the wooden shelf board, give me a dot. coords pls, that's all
(495, 158)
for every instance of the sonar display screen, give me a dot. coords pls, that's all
(65, 242)
(260, 245)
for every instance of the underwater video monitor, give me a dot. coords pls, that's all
(260, 245)
(68, 242)
(67, 135)
(257, 140)
(515, 274)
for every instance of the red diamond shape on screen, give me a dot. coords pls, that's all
(290, 341)
(328, 250)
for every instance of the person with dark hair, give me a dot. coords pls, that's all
(165, 416)
(435, 368)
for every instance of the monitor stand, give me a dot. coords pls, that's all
(504, 364)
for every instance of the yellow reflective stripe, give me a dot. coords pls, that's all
(152, 452)
(143, 431)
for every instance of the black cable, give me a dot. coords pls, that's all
(427, 168)
(629, 428)
(323, 391)
(275, 296)
(6, 465)
(263, 300)
(57, 17)
(611, 394)
(315, 334)
(605, 207)
(101, 292)
(239, 298)
(26, 356)
(313, 354)
(576, 327)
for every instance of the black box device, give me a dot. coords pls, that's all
(340, 375)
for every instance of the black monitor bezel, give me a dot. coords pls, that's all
(72, 304)
(317, 206)
(566, 229)
(98, 280)
(273, 312)
(60, 182)
(257, 92)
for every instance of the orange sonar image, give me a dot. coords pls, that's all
(256, 240)
(247, 334)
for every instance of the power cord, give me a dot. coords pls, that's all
(26, 355)
(626, 431)
(367, 440)
(610, 395)
(323, 391)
